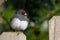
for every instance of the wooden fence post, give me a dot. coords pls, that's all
(12, 36)
(54, 28)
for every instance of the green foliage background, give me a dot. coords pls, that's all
(39, 12)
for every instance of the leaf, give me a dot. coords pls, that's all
(9, 12)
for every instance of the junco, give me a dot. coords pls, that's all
(19, 20)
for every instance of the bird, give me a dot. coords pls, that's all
(19, 21)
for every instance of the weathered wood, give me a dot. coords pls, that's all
(54, 28)
(12, 36)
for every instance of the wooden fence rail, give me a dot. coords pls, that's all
(12, 36)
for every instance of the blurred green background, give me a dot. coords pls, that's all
(39, 12)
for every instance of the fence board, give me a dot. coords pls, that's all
(54, 28)
(12, 36)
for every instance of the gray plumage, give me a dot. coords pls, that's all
(20, 14)
(19, 20)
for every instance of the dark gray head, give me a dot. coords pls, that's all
(22, 12)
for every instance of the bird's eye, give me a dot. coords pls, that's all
(24, 13)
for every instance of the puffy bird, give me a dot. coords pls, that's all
(19, 21)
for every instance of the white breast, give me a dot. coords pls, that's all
(19, 25)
